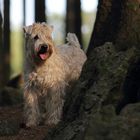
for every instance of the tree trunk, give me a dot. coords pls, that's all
(89, 111)
(24, 12)
(6, 43)
(40, 15)
(114, 24)
(107, 22)
(1, 58)
(129, 27)
(73, 18)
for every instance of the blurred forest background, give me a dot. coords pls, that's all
(65, 15)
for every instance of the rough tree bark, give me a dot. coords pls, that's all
(40, 15)
(73, 18)
(89, 111)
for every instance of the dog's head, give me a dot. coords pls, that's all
(39, 44)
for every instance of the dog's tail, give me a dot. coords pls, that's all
(73, 40)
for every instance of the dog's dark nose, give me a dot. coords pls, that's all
(44, 46)
(43, 49)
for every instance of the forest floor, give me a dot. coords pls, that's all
(16, 113)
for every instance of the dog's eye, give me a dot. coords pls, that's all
(36, 37)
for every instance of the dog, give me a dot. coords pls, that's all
(48, 71)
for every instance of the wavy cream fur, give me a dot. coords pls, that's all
(46, 82)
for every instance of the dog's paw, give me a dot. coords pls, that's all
(30, 125)
(52, 122)
(24, 126)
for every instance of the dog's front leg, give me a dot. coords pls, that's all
(31, 108)
(54, 104)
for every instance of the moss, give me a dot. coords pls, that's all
(107, 126)
(110, 71)
(9, 127)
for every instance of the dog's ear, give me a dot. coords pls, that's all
(25, 29)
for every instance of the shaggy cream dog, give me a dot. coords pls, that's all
(48, 71)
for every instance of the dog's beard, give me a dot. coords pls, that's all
(43, 52)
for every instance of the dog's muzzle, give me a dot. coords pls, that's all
(43, 52)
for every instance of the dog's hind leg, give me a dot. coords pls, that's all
(54, 105)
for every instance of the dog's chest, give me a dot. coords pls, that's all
(45, 78)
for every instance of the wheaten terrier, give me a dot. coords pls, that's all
(48, 71)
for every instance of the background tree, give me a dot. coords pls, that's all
(24, 12)
(40, 15)
(1, 59)
(73, 18)
(6, 43)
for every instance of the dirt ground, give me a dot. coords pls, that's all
(37, 133)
